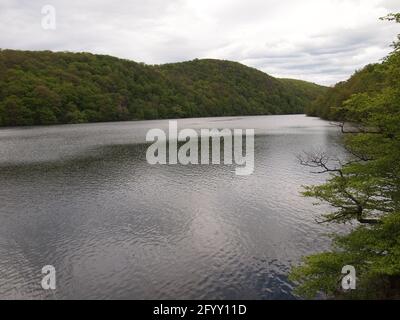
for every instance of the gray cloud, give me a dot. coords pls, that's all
(321, 41)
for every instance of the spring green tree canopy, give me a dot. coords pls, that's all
(50, 88)
(365, 187)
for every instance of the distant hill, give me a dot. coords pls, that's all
(371, 80)
(305, 91)
(49, 88)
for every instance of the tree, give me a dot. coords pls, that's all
(13, 112)
(366, 188)
(375, 254)
(394, 17)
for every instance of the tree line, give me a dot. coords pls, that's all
(42, 88)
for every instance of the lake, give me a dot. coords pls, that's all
(84, 199)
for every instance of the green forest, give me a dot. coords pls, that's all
(42, 88)
(364, 189)
(45, 88)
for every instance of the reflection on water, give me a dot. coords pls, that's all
(84, 199)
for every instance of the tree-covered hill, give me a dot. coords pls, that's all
(218, 87)
(305, 91)
(372, 79)
(49, 88)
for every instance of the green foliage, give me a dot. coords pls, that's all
(13, 112)
(375, 254)
(49, 88)
(366, 187)
(370, 80)
(394, 17)
(304, 92)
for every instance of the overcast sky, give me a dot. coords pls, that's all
(323, 41)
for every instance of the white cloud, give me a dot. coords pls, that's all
(318, 40)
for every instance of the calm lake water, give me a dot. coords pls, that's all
(84, 199)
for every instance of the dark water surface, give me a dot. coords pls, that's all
(84, 199)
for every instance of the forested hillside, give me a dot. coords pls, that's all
(305, 91)
(50, 88)
(370, 80)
